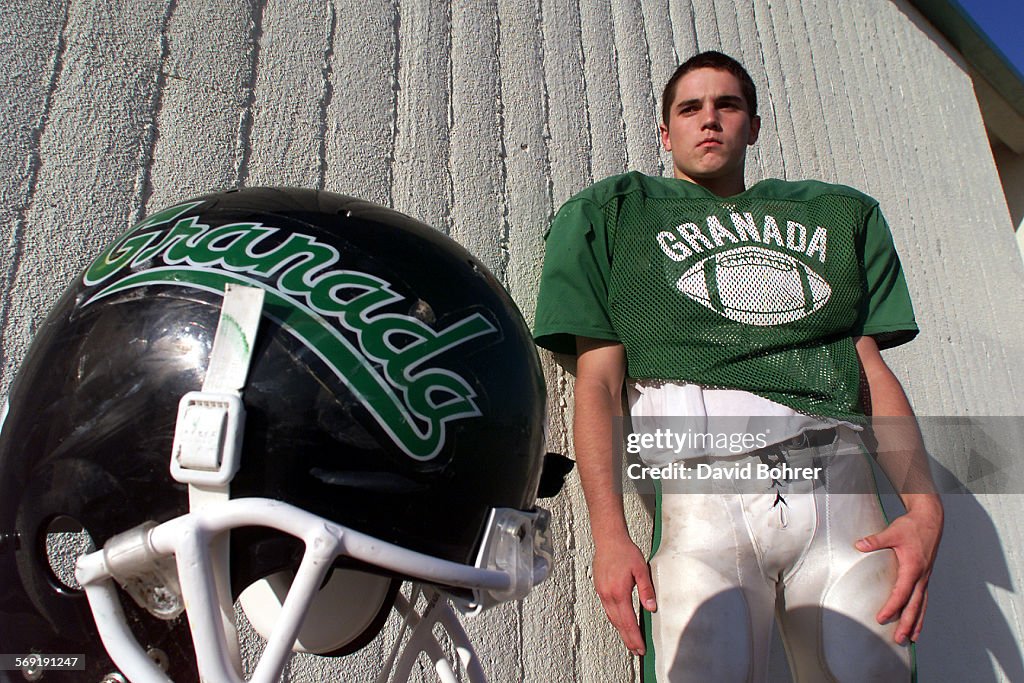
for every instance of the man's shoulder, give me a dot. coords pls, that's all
(808, 190)
(618, 186)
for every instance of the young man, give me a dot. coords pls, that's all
(714, 300)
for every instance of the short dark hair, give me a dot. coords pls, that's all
(709, 60)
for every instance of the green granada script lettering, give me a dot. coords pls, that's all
(121, 253)
(386, 368)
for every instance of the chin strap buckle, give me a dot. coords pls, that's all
(207, 438)
(208, 434)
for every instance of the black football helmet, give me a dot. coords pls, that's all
(375, 413)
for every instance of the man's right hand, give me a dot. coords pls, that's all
(618, 567)
(618, 563)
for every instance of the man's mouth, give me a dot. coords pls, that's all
(710, 142)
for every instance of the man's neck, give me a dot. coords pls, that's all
(723, 187)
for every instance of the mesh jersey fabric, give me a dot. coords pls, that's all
(762, 291)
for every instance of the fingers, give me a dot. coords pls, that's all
(645, 589)
(910, 616)
(920, 618)
(875, 541)
(616, 572)
(621, 615)
(909, 594)
(907, 576)
(617, 600)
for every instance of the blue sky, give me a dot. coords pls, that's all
(1003, 21)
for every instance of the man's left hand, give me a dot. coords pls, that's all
(914, 537)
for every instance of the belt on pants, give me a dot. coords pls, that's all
(812, 438)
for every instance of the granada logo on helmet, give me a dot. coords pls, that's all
(408, 398)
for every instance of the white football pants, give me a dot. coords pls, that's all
(727, 564)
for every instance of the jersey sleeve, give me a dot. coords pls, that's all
(887, 313)
(573, 297)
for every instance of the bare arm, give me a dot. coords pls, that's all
(618, 562)
(915, 535)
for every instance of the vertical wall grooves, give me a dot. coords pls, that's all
(520, 642)
(658, 68)
(608, 145)
(449, 218)
(589, 158)
(147, 144)
(619, 108)
(787, 93)
(777, 138)
(829, 157)
(675, 48)
(911, 126)
(33, 162)
(499, 122)
(504, 234)
(243, 149)
(572, 524)
(846, 68)
(693, 27)
(652, 90)
(327, 94)
(634, 73)
(396, 87)
(545, 102)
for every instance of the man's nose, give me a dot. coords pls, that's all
(711, 120)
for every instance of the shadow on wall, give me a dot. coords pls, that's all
(966, 631)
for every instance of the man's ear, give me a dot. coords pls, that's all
(666, 143)
(755, 129)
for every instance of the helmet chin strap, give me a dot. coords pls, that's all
(208, 434)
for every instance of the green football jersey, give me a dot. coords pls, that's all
(763, 291)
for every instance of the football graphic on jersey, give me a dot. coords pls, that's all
(755, 286)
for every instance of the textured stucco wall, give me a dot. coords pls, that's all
(480, 119)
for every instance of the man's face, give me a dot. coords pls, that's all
(709, 128)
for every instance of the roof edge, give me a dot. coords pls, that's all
(978, 50)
